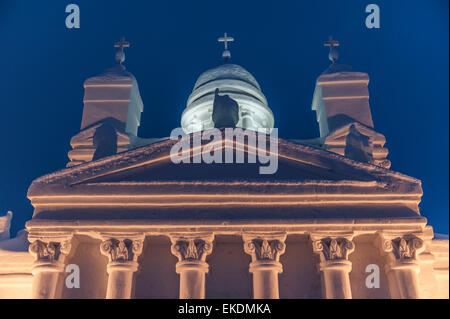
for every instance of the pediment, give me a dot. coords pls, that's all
(150, 170)
(339, 135)
(86, 136)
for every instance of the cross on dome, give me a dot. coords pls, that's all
(120, 55)
(331, 43)
(225, 39)
(226, 55)
(333, 55)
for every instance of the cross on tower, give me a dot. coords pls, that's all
(120, 55)
(333, 55)
(226, 55)
(331, 43)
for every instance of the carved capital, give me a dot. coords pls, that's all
(264, 247)
(122, 250)
(404, 248)
(333, 248)
(50, 251)
(192, 247)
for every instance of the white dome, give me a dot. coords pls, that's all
(226, 71)
(240, 85)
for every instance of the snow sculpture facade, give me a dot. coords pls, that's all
(140, 226)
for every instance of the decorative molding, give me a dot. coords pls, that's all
(264, 247)
(49, 251)
(192, 247)
(333, 248)
(122, 250)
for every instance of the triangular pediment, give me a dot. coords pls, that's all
(299, 168)
(145, 184)
(339, 135)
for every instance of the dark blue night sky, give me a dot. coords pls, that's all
(44, 64)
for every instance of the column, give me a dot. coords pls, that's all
(334, 265)
(191, 251)
(48, 267)
(122, 255)
(265, 250)
(402, 268)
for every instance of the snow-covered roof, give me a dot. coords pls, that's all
(226, 71)
(114, 75)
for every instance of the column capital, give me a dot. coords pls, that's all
(49, 250)
(402, 266)
(122, 250)
(402, 249)
(333, 249)
(49, 253)
(191, 250)
(265, 248)
(191, 247)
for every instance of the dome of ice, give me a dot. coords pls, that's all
(240, 85)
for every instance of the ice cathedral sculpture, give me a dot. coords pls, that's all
(141, 226)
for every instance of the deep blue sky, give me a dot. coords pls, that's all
(43, 66)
